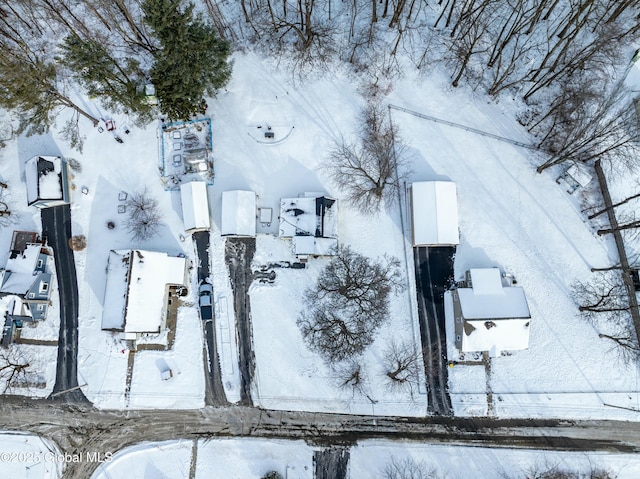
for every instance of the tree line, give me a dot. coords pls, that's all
(112, 49)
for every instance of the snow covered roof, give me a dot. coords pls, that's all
(238, 213)
(312, 223)
(495, 336)
(135, 294)
(195, 206)
(46, 180)
(20, 270)
(489, 299)
(579, 174)
(310, 245)
(434, 211)
(309, 216)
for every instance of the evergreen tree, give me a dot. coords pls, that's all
(115, 81)
(191, 60)
(29, 86)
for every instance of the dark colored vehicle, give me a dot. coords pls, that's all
(206, 305)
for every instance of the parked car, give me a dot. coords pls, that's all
(205, 299)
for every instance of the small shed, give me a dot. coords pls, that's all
(239, 213)
(47, 181)
(575, 177)
(195, 206)
(434, 213)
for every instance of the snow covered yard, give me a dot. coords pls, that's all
(289, 375)
(169, 460)
(26, 456)
(369, 458)
(252, 458)
(109, 168)
(525, 224)
(215, 459)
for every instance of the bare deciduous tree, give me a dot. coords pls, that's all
(349, 302)
(144, 217)
(408, 469)
(370, 173)
(548, 470)
(402, 364)
(350, 374)
(15, 368)
(581, 127)
(604, 302)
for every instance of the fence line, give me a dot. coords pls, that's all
(463, 127)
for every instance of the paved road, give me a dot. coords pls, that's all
(215, 395)
(238, 255)
(81, 428)
(434, 272)
(56, 228)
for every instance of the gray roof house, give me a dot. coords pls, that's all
(47, 181)
(26, 280)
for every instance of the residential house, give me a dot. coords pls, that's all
(490, 315)
(311, 221)
(140, 285)
(25, 282)
(47, 180)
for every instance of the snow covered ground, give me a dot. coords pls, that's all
(289, 376)
(522, 222)
(369, 458)
(214, 459)
(26, 456)
(252, 458)
(510, 217)
(109, 168)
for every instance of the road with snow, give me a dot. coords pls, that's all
(82, 428)
(56, 228)
(434, 272)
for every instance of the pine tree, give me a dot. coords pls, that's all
(114, 81)
(191, 60)
(29, 86)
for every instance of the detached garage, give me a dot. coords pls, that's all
(195, 206)
(238, 213)
(434, 213)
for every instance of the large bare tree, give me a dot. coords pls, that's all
(349, 302)
(370, 173)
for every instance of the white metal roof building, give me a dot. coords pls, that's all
(136, 291)
(195, 206)
(490, 316)
(434, 213)
(239, 213)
